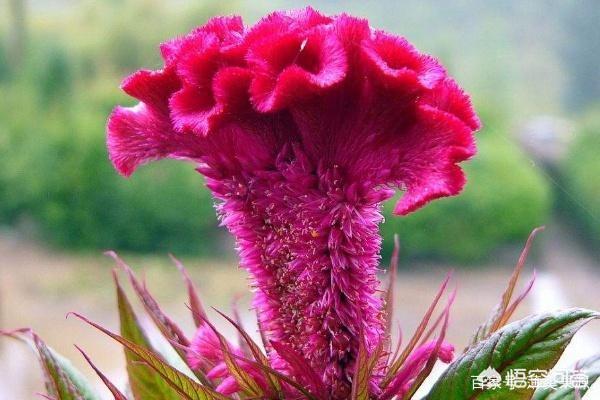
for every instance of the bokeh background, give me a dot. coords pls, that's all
(533, 72)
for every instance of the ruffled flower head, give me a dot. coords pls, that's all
(302, 125)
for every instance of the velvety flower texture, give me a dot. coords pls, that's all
(302, 125)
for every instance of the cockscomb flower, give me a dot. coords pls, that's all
(303, 124)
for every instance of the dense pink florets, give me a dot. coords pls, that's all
(362, 99)
(302, 125)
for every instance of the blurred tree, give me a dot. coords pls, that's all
(503, 199)
(18, 32)
(4, 67)
(579, 201)
(53, 75)
(581, 52)
(55, 179)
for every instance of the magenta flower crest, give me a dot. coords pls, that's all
(302, 125)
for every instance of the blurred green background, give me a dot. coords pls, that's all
(532, 70)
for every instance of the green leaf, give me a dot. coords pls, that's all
(144, 382)
(535, 342)
(62, 380)
(589, 367)
(188, 388)
(169, 329)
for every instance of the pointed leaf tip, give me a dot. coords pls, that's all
(257, 354)
(435, 354)
(143, 382)
(533, 343)
(504, 310)
(188, 388)
(63, 381)
(397, 363)
(166, 326)
(389, 295)
(111, 387)
(195, 302)
(245, 381)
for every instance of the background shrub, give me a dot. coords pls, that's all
(57, 177)
(580, 178)
(54, 174)
(503, 200)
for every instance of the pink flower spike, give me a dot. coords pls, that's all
(303, 125)
(205, 349)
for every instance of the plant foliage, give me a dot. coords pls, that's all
(535, 342)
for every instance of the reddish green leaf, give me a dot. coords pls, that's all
(258, 355)
(187, 387)
(196, 306)
(504, 310)
(397, 363)
(113, 389)
(248, 385)
(167, 327)
(284, 378)
(434, 354)
(145, 384)
(62, 380)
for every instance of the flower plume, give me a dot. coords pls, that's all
(302, 125)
